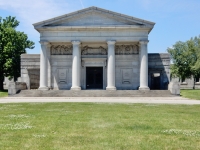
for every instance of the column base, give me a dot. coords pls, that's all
(146, 88)
(111, 88)
(77, 88)
(43, 88)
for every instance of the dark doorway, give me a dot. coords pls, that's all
(155, 81)
(34, 76)
(94, 77)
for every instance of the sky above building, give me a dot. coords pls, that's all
(176, 20)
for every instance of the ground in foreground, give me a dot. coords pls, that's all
(99, 126)
(192, 94)
(3, 93)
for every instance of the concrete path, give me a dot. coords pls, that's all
(150, 100)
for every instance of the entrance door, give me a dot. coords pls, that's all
(94, 77)
(155, 81)
(34, 76)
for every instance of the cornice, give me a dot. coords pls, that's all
(85, 28)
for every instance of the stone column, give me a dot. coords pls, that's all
(49, 66)
(76, 64)
(143, 66)
(43, 65)
(111, 66)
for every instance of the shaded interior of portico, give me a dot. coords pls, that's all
(126, 66)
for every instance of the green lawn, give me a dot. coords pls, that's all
(3, 93)
(193, 94)
(99, 126)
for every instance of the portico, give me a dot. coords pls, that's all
(93, 37)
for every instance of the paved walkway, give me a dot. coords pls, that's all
(150, 100)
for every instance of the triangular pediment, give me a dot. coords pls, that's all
(93, 16)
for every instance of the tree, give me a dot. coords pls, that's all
(12, 44)
(196, 66)
(186, 59)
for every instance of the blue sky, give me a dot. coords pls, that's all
(176, 20)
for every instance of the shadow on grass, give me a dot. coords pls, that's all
(3, 90)
(139, 127)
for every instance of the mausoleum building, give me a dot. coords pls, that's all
(94, 48)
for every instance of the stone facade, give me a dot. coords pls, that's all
(126, 70)
(113, 44)
(95, 48)
(30, 70)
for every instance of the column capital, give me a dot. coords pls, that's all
(111, 42)
(144, 42)
(44, 43)
(76, 42)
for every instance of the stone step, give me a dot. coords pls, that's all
(94, 93)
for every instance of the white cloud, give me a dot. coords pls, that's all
(29, 12)
(82, 3)
(37, 10)
(33, 11)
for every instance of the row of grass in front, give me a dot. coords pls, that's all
(99, 126)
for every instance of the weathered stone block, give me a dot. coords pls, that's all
(15, 87)
(174, 88)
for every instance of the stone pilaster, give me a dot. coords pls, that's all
(43, 65)
(76, 63)
(111, 66)
(143, 66)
